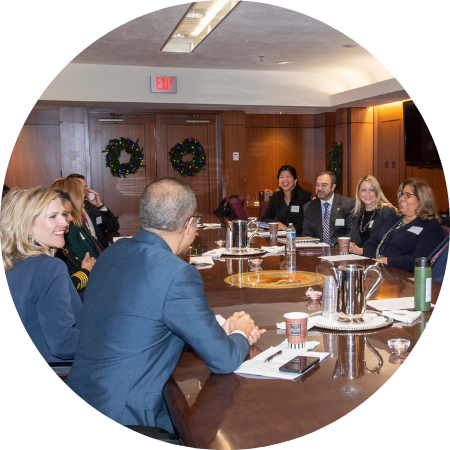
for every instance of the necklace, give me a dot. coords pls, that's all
(380, 248)
(361, 228)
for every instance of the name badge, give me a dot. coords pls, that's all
(370, 224)
(295, 208)
(98, 220)
(339, 222)
(415, 230)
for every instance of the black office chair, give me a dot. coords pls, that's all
(61, 369)
(156, 433)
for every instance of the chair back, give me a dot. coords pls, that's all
(240, 197)
(237, 209)
(262, 208)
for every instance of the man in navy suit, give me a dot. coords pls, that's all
(142, 305)
(338, 208)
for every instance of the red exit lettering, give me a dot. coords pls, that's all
(164, 83)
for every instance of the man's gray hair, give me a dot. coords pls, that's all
(167, 204)
(332, 176)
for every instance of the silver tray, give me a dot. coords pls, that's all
(243, 252)
(362, 327)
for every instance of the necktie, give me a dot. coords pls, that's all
(326, 224)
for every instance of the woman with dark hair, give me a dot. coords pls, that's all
(414, 232)
(287, 203)
(32, 225)
(78, 270)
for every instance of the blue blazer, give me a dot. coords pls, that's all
(142, 303)
(403, 246)
(48, 305)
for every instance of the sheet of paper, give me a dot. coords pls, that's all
(343, 257)
(267, 233)
(392, 303)
(310, 245)
(201, 260)
(257, 366)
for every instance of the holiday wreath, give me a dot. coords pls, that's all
(189, 168)
(113, 151)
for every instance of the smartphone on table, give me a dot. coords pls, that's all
(300, 364)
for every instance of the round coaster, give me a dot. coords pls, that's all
(275, 279)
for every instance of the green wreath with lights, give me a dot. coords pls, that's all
(188, 147)
(113, 151)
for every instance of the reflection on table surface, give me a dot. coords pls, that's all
(231, 411)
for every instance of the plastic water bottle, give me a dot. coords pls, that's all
(290, 238)
(291, 261)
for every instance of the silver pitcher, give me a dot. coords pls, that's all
(239, 239)
(351, 302)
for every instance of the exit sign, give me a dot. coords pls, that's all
(163, 85)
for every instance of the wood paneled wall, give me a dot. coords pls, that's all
(267, 142)
(36, 157)
(60, 141)
(389, 167)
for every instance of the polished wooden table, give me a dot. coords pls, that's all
(215, 411)
(235, 412)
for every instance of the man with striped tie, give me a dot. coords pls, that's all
(329, 215)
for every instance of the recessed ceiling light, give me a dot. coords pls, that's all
(351, 46)
(195, 26)
(283, 62)
(195, 15)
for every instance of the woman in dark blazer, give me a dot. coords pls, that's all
(79, 270)
(32, 224)
(287, 204)
(414, 232)
(371, 209)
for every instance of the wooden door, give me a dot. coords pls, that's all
(121, 195)
(391, 160)
(36, 157)
(171, 130)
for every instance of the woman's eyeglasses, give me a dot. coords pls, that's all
(405, 194)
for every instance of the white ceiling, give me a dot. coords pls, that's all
(251, 31)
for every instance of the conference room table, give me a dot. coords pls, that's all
(239, 412)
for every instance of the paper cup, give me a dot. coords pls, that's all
(273, 228)
(296, 326)
(344, 245)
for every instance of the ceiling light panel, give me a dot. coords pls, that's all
(198, 22)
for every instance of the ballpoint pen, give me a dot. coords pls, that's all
(279, 352)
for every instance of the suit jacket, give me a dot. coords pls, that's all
(142, 303)
(403, 246)
(277, 208)
(341, 209)
(102, 221)
(81, 241)
(380, 215)
(48, 305)
(78, 275)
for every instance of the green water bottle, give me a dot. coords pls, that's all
(422, 284)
